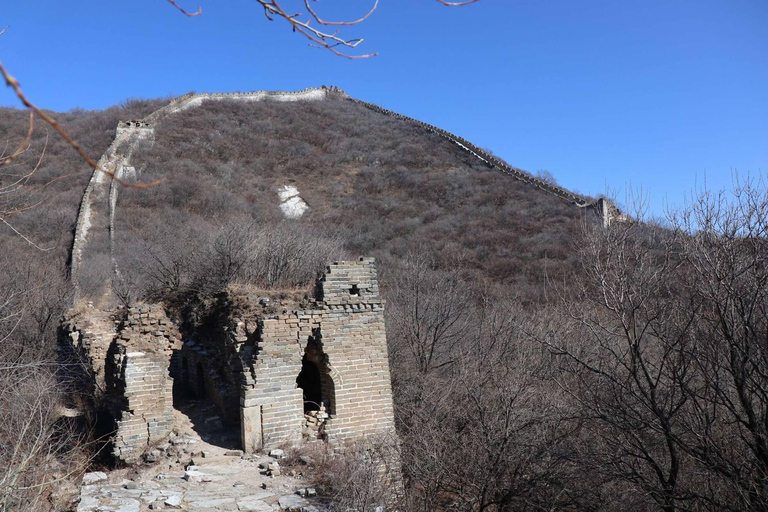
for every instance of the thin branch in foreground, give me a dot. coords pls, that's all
(190, 14)
(457, 4)
(14, 84)
(30, 242)
(323, 22)
(318, 38)
(26, 140)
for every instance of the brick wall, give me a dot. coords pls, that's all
(247, 361)
(343, 334)
(123, 356)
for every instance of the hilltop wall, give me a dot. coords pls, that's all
(483, 155)
(97, 211)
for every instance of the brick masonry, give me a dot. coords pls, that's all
(244, 360)
(122, 358)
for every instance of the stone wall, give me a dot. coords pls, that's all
(122, 357)
(343, 336)
(318, 370)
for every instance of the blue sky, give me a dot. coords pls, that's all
(659, 95)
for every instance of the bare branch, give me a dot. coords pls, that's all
(323, 22)
(190, 14)
(25, 142)
(14, 84)
(457, 4)
(319, 39)
(30, 242)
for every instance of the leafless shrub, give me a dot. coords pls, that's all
(364, 476)
(40, 455)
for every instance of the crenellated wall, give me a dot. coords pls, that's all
(483, 155)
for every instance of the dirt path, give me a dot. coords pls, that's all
(198, 471)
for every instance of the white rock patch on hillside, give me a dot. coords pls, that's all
(291, 204)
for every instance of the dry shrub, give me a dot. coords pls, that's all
(363, 476)
(40, 453)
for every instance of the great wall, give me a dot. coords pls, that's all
(318, 369)
(101, 193)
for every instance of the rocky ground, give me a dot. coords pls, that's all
(199, 470)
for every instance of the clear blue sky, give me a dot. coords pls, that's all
(656, 94)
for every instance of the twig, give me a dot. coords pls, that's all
(26, 140)
(323, 22)
(199, 9)
(457, 4)
(318, 39)
(30, 242)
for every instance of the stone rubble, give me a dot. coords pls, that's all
(217, 481)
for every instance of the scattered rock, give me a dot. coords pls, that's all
(292, 503)
(94, 477)
(196, 476)
(238, 484)
(156, 505)
(274, 468)
(233, 453)
(277, 453)
(173, 501)
(305, 460)
(131, 486)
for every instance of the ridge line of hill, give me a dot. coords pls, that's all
(483, 155)
(131, 132)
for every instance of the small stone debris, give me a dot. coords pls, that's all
(233, 453)
(238, 484)
(157, 505)
(292, 503)
(277, 453)
(131, 486)
(274, 469)
(173, 501)
(195, 476)
(94, 477)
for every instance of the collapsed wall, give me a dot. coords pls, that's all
(316, 371)
(339, 346)
(121, 358)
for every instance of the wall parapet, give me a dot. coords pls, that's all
(483, 155)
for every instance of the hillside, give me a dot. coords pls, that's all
(256, 194)
(378, 186)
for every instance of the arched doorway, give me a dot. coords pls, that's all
(315, 379)
(310, 383)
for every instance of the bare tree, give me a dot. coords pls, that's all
(727, 280)
(428, 312)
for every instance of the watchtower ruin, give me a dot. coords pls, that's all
(316, 371)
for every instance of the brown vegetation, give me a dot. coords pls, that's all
(539, 361)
